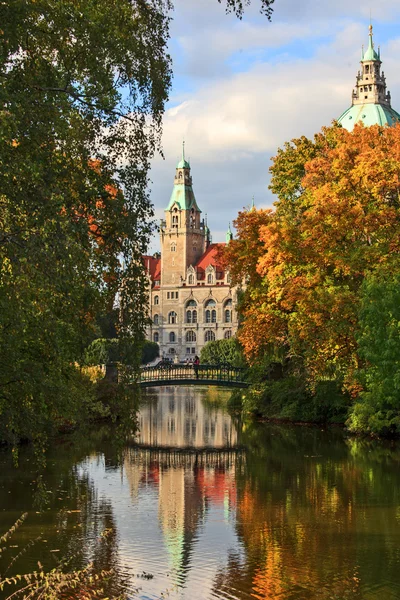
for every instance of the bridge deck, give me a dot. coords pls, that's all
(171, 374)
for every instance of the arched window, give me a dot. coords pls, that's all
(190, 336)
(228, 311)
(173, 247)
(228, 334)
(191, 279)
(210, 304)
(209, 336)
(172, 318)
(210, 315)
(156, 299)
(191, 312)
(172, 337)
(156, 337)
(210, 278)
(155, 319)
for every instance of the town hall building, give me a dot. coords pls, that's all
(191, 299)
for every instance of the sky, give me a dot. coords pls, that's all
(242, 88)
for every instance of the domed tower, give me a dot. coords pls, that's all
(370, 101)
(183, 233)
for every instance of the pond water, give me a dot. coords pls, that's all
(202, 506)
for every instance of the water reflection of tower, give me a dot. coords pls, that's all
(180, 509)
(175, 418)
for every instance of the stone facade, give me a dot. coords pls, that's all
(190, 299)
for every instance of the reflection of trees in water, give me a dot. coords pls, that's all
(314, 514)
(72, 519)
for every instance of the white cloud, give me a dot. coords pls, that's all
(234, 122)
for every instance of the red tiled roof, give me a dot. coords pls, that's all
(210, 258)
(153, 267)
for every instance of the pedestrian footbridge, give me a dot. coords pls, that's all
(171, 374)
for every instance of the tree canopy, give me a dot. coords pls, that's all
(82, 91)
(336, 221)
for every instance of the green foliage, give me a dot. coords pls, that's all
(377, 410)
(223, 352)
(290, 399)
(237, 7)
(82, 90)
(150, 351)
(104, 351)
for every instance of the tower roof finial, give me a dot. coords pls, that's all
(183, 163)
(370, 53)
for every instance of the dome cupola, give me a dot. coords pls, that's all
(371, 103)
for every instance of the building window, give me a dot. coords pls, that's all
(168, 295)
(172, 337)
(210, 278)
(173, 247)
(187, 350)
(190, 336)
(171, 350)
(193, 350)
(156, 299)
(228, 311)
(209, 336)
(210, 312)
(191, 279)
(172, 318)
(156, 337)
(228, 334)
(155, 319)
(191, 312)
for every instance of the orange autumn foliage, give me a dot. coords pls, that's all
(335, 220)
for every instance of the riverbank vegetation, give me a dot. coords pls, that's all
(320, 307)
(83, 88)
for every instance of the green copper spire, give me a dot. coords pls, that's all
(370, 53)
(182, 193)
(183, 164)
(229, 234)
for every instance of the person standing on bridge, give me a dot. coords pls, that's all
(196, 363)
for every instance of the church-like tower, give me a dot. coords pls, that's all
(183, 233)
(371, 103)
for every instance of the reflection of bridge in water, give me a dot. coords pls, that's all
(171, 374)
(171, 457)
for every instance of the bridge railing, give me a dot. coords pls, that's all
(171, 371)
